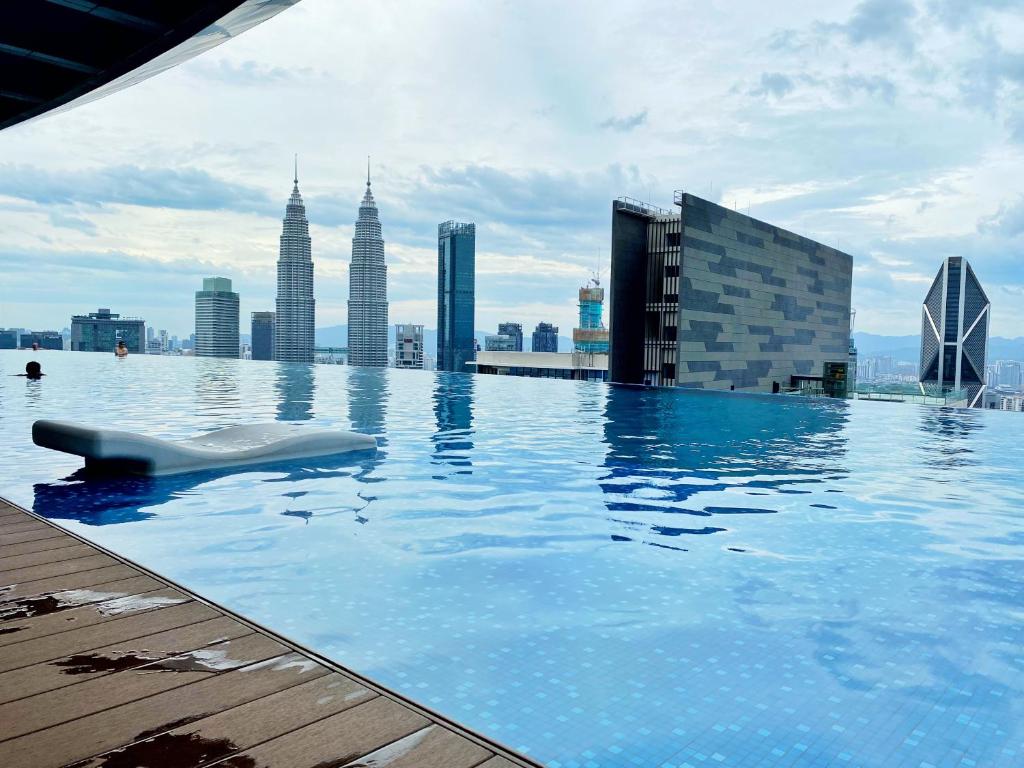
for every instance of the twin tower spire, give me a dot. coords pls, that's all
(294, 331)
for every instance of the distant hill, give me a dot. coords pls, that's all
(337, 336)
(909, 347)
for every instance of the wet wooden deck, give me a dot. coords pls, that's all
(105, 664)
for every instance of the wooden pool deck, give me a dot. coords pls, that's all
(103, 663)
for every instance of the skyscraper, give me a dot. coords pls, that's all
(456, 295)
(367, 288)
(515, 330)
(216, 319)
(954, 331)
(591, 335)
(262, 335)
(101, 330)
(545, 338)
(293, 327)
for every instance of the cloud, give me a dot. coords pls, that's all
(956, 14)
(1008, 220)
(249, 73)
(625, 124)
(187, 188)
(887, 23)
(773, 84)
(59, 218)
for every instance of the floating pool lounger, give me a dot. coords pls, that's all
(129, 453)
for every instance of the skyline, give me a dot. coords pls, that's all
(823, 122)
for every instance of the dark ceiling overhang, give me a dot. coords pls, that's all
(54, 52)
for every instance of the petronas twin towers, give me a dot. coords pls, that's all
(368, 298)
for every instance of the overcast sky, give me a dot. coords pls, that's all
(893, 129)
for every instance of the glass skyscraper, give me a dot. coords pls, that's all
(545, 338)
(456, 295)
(216, 319)
(293, 327)
(954, 332)
(101, 330)
(367, 289)
(262, 335)
(515, 330)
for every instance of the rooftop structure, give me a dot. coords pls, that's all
(56, 55)
(579, 366)
(296, 307)
(368, 288)
(710, 298)
(954, 331)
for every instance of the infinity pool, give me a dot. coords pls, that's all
(594, 575)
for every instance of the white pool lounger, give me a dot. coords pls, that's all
(129, 453)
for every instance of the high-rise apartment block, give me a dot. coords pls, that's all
(367, 289)
(954, 332)
(216, 319)
(515, 330)
(545, 338)
(262, 332)
(456, 295)
(41, 340)
(294, 319)
(409, 346)
(101, 330)
(707, 297)
(591, 335)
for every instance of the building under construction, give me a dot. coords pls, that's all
(591, 335)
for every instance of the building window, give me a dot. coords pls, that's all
(672, 239)
(668, 371)
(671, 298)
(672, 270)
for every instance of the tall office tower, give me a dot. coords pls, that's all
(101, 330)
(515, 330)
(262, 335)
(954, 331)
(591, 335)
(409, 346)
(501, 342)
(545, 338)
(456, 295)
(216, 319)
(293, 325)
(707, 297)
(367, 288)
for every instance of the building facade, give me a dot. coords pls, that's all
(456, 295)
(954, 332)
(9, 338)
(41, 339)
(591, 335)
(578, 366)
(101, 330)
(500, 342)
(216, 319)
(515, 330)
(296, 308)
(367, 289)
(710, 298)
(545, 338)
(409, 346)
(262, 335)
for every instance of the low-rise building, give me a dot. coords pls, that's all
(408, 346)
(101, 330)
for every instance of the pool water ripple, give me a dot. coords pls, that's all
(598, 576)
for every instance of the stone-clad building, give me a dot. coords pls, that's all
(711, 298)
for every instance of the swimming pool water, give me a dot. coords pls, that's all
(595, 575)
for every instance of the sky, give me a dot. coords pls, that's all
(891, 129)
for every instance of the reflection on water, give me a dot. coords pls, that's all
(295, 389)
(216, 388)
(453, 414)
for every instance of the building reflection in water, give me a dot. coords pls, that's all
(453, 411)
(948, 435)
(367, 410)
(295, 384)
(217, 394)
(665, 448)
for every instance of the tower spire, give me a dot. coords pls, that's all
(296, 168)
(367, 170)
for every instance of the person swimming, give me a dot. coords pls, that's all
(122, 349)
(33, 370)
